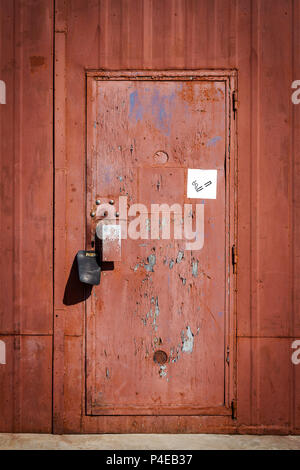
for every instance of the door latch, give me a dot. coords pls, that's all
(105, 239)
(109, 236)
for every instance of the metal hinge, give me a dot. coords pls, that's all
(235, 101)
(234, 258)
(234, 409)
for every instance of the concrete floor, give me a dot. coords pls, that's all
(147, 442)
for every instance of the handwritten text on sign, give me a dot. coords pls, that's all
(202, 184)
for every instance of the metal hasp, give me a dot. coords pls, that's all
(110, 238)
(88, 267)
(109, 249)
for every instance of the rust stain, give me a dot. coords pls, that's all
(187, 92)
(160, 357)
(37, 61)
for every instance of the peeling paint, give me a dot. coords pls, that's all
(151, 262)
(177, 356)
(163, 371)
(187, 341)
(195, 267)
(162, 107)
(148, 225)
(156, 106)
(183, 279)
(213, 141)
(179, 257)
(171, 264)
(136, 109)
(156, 312)
(152, 313)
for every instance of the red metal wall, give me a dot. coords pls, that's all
(260, 38)
(26, 215)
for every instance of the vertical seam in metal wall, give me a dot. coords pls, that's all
(215, 33)
(13, 222)
(292, 220)
(251, 215)
(235, 212)
(17, 90)
(53, 207)
(99, 36)
(257, 199)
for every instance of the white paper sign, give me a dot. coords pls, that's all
(202, 184)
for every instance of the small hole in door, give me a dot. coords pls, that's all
(160, 357)
(161, 157)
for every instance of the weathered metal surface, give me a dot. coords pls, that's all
(26, 384)
(203, 34)
(26, 176)
(161, 294)
(110, 236)
(261, 40)
(26, 235)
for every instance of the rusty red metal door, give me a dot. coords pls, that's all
(160, 326)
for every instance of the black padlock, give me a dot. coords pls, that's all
(88, 267)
